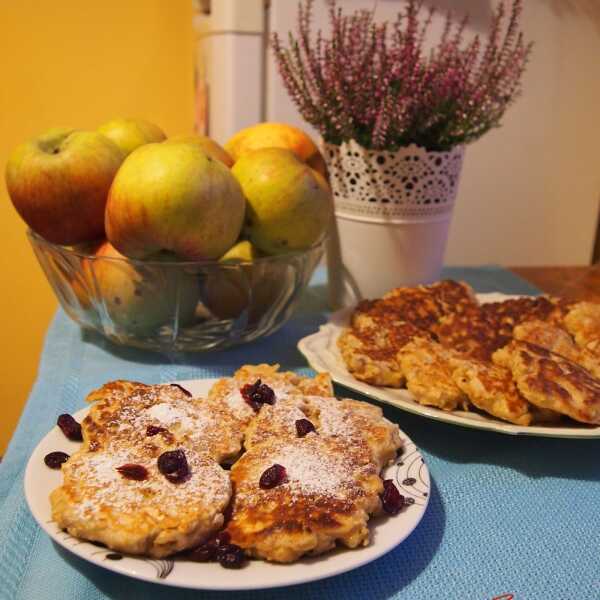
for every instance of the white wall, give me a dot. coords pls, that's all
(530, 190)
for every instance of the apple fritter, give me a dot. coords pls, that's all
(428, 371)
(552, 381)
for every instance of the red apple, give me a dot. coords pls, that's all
(59, 183)
(174, 197)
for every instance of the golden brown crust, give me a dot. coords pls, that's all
(552, 381)
(583, 323)
(331, 488)
(491, 389)
(428, 370)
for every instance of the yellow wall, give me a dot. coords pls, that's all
(75, 63)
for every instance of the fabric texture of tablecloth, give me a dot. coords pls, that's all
(507, 515)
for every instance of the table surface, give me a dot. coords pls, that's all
(579, 283)
(507, 515)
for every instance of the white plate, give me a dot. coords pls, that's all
(411, 476)
(322, 353)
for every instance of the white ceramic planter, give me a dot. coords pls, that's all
(392, 215)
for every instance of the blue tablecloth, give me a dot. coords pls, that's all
(508, 515)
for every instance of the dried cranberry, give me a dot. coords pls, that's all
(204, 553)
(173, 465)
(304, 427)
(186, 392)
(391, 499)
(272, 477)
(154, 430)
(55, 459)
(70, 427)
(256, 394)
(132, 471)
(230, 556)
(209, 550)
(222, 538)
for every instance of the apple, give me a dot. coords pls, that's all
(59, 182)
(227, 291)
(277, 135)
(174, 197)
(243, 251)
(130, 134)
(289, 204)
(205, 143)
(141, 297)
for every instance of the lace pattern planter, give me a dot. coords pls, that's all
(393, 212)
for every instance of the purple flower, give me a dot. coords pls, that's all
(375, 83)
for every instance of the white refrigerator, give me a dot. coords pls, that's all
(529, 190)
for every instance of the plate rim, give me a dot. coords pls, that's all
(342, 377)
(35, 462)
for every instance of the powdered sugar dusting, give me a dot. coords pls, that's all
(334, 419)
(238, 405)
(310, 472)
(167, 414)
(100, 487)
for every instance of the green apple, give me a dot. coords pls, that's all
(130, 134)
(174, 197)
(289, 204)
(59, 182)
(205, 143)
(141, 297)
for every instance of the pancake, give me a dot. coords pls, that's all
(422, 306)
(552, 381)
(348, 420)
(583, 323)
(491, 389)
(470, 333)
(153, 517)
(329, 492)
(122, 412)
(371, 347)
(505, 316)
(227, 391)
(559, 341)
(428, 371)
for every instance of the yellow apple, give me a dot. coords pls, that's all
(209, 146)
(59, 183)
(174, 197)
(243, 251)
(227, 291)
(289, 204)
(141, 297)
(130, 134)
(277, 135)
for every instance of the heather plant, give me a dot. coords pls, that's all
(377, 84)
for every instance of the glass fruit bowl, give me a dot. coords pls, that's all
(176, 306)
